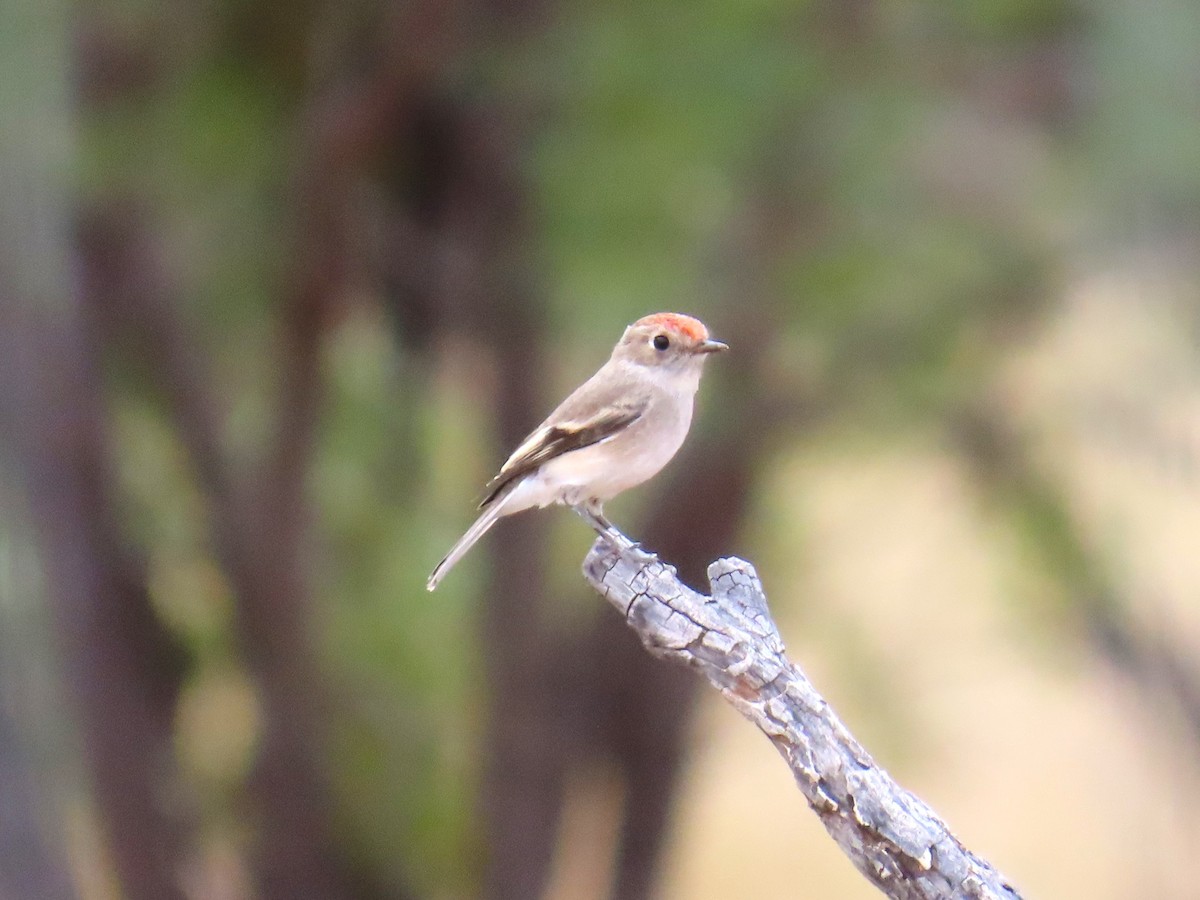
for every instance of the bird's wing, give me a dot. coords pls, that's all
(569, 428)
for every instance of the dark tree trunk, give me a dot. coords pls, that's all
(122, 667)
(29, 864)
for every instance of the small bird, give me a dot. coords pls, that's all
(618, 429)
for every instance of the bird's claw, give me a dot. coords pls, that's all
(620, 541)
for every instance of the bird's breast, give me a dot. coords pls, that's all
(638, 453)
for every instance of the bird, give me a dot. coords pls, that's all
(615, 431)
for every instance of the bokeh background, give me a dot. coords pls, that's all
(282, 283)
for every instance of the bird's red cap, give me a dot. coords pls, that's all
(691, 328)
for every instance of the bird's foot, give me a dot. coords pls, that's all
(620, 541)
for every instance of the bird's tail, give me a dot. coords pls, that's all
(486, 520)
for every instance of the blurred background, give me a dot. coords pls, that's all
(282, 283)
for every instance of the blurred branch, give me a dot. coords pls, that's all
(890, 835)
(1000, 463)
(130, 293)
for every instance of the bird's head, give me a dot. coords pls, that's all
(667, 340)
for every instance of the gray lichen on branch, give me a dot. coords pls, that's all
(890, 835)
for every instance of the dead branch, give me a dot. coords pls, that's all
(890, 835)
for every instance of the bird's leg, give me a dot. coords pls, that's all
(592, 512)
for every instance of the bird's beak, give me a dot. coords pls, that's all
(711, 346)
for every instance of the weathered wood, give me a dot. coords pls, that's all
(890, 835)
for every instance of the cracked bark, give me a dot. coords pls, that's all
(891, 836)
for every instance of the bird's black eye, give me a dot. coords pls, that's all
(661, 342)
